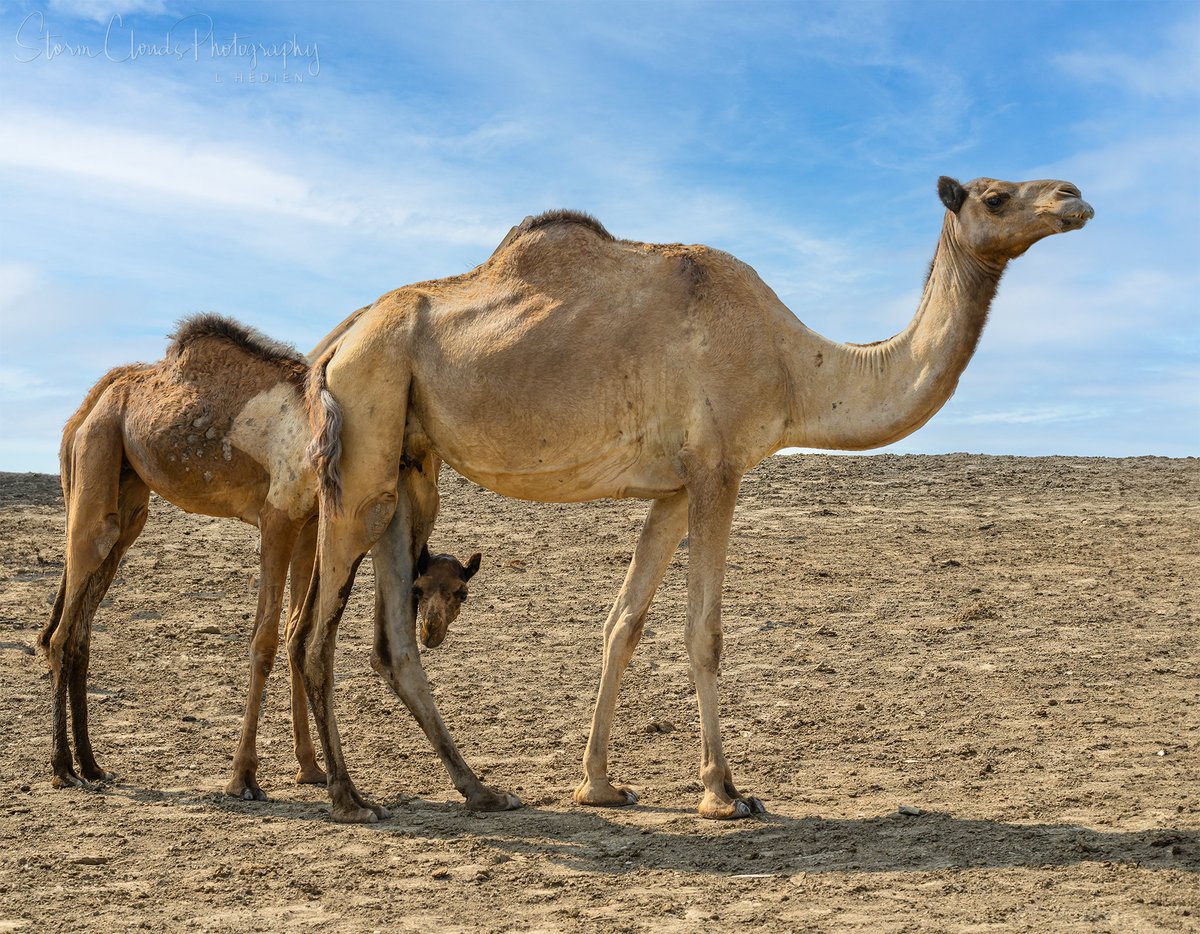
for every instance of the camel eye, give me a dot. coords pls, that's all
(418, 592)
(461, 593)
(994, 201)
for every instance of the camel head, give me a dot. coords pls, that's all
(440, 591)
(998, 221)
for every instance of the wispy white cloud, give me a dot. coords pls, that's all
(179, 169)
(102, 11)
(1035, 415)
(1170, 70)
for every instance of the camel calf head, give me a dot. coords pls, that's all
(440, 591)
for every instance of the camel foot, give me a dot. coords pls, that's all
(713, 807)
(68, 779)
(310, 775)
(378, 810)
(605, 795)
(244, 785)
(353, 815)
(93, 773)
(490, 799)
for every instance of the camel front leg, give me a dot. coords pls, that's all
(712, 497)
(665, 525)
(278, 534)
(304, 557)
(396, 656)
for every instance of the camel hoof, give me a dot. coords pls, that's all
(68, 780)
(713, 808)
(310, 776)
(246, 790)
(614, 796)
(491, 800)
(98, 774)
(354, 815)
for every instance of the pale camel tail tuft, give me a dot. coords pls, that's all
(325, 449)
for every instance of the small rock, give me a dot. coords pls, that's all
(210, 630)
(91, 860)
(440, 873)
(147, 614)
(909, 810)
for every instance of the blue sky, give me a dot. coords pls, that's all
(399, 142)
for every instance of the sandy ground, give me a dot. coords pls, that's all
(1008, 645)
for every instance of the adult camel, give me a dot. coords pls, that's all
(573, 366)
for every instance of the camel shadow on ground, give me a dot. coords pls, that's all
(780, 845)
(586, 840)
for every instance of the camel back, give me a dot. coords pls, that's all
(244, 338)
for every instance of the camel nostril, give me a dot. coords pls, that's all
(1069, 191)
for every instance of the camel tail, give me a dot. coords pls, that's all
(325, 449)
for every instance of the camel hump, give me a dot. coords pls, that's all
(562, 216)
(245, 338)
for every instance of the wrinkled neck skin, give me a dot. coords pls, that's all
(859, 396)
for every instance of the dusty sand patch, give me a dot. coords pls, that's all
(1007, 644)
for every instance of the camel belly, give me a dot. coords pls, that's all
(543, 471)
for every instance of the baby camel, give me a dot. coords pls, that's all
(218, 427)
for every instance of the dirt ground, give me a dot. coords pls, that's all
(1008, 645)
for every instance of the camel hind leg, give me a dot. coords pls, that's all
(304, 557)
(363, 438)
(396, 656)
(106, 509)
(134, 499)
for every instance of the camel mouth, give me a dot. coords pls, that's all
(431, 638)
(1075, 215)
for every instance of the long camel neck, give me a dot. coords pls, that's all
(859, 396)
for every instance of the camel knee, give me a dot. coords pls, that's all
(262, 662)
(89, 545)
(376, 514)
(704, 648)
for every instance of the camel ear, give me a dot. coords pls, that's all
(423, 560)
(952, 193)
(473, 565)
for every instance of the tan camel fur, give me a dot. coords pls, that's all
(573, 366)
(218, 428)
